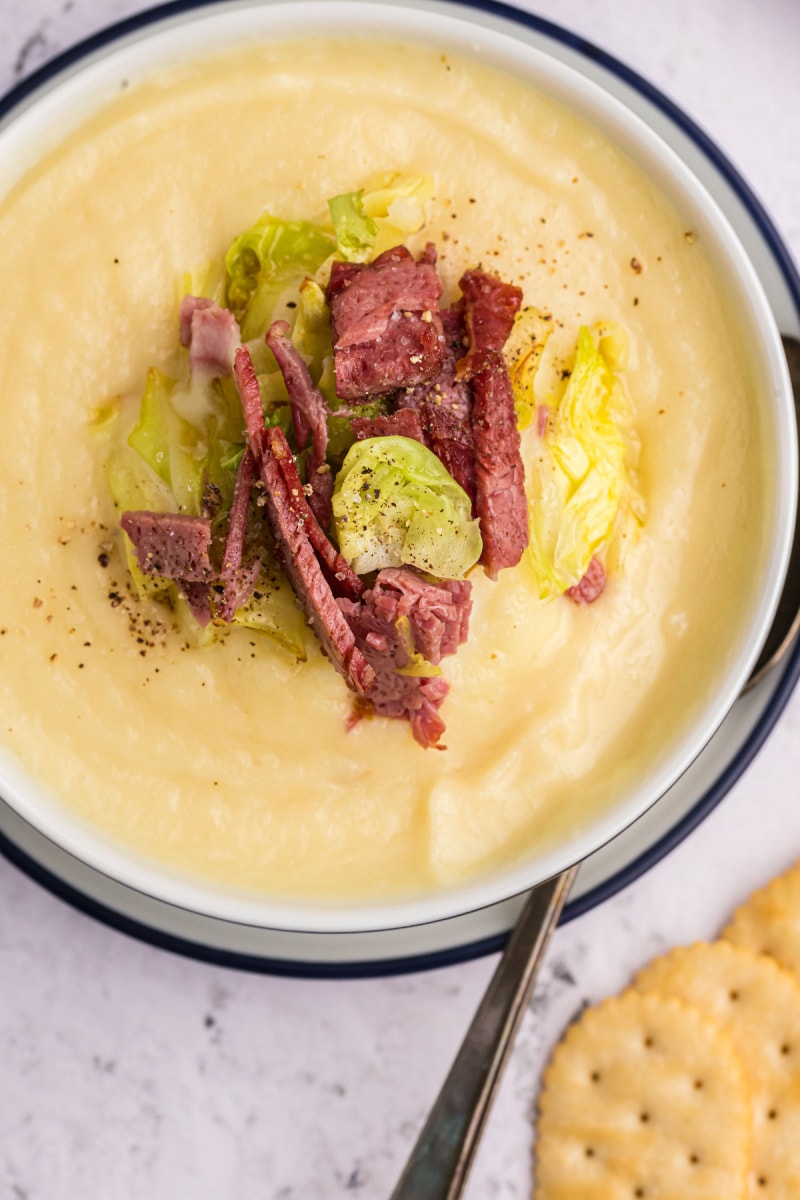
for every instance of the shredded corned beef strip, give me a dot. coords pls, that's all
(237, 582)
(587, 590)
(173, 545)
(198, 597)
(343, 580)
(444, 405)
(404, 422)
(250, 395)
(387, 331)
(500, 500)
(490, 306)
(291, 521)
(211, 335)
(309, 417)
(403, 605)
(305, 575)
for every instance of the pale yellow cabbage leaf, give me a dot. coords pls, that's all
(581, 485)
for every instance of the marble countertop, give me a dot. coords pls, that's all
(131, 1074)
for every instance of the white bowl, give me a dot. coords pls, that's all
(50, 113)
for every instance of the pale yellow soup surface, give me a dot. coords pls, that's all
(232, 763)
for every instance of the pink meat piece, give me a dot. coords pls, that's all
(444, 405)
(305, 574)
(404, 422)
(261, 441)
(173, 545)
(237, 580)
(250, 395)
(198, 597)
(211, 335)
(500, 500)
(343, 580)
(490, 306)
(387, 330)
(438, 622)
(309, 410)
(309, 417)
(587, 590)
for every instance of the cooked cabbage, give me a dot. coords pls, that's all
(523, 352)
(169, 444)
(265, 260)
(356, 233)
(394, 503)
(580, 477)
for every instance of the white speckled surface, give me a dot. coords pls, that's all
(130, 1074)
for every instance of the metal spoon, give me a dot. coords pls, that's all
(441, 1159)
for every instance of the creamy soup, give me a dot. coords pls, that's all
(233, 763)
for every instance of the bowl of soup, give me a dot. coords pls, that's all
(228, 776)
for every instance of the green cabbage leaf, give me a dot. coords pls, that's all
(581, 483)
(394, 503)
(170, 445)
(264, 261)
(356, 233)
(523, 352)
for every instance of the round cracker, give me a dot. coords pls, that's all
(769, 922)
(645, 1097)
(757, 1003)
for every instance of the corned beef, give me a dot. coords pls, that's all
(210, 334)
(500, 500)
(272, 442)
(343, 580)
(305, 574)
(173, 545)
(236, 580)
(444, 406)
(404, 614)
(587, 590)
(250, 395)
(404, 422)
(309, 417)
(387, 332)
(490, 306)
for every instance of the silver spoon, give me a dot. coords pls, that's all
(441, 1159)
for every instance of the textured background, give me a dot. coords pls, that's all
(129, 1074)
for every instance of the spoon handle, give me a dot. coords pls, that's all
(440, 1161)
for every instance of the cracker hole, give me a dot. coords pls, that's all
(785, 1048)
(698, 1085)
(762, 1181)
(644, 1117)
(595, 1076)
(734, 995)
(648, 1041)
(639, 1191)
(694, 1159)
(772, 1115)
(589, 1152)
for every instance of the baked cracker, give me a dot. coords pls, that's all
(644, 1099)
(757, 1004)
(769, 922)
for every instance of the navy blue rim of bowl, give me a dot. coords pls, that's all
(707, 802)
